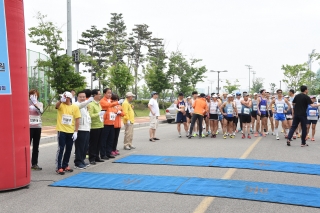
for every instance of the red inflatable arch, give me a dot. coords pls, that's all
(14, 121)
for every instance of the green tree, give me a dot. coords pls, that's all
(272, 87)
(257, 85)
(121, 78)
(143, 92)
(296, 75)
(230, 87)
(58, 68)
(138, 39)
(196, 73)
(96, 55)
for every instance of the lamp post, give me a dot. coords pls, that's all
(249, 67)
(218, 76)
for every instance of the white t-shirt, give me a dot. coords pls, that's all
(154, 107)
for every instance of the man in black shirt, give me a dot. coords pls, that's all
(301, 102)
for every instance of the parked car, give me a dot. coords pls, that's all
(171, 113)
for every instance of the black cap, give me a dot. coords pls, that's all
(180, 94)
(154, 93)
(202, 95)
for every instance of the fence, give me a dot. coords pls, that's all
(37, 78)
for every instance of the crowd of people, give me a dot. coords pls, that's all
(91, 123)
(253, 112)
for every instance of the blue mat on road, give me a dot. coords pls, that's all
(257, 191)
(276, 166)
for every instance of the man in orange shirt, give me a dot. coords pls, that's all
(117, 125)
(200, 109)
(109, 120)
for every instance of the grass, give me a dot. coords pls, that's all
(49, 118)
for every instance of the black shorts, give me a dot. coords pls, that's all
(312, 122)
(229, 119)
(269, 113)
(213, 117)
(254, 114)
(235, 119)
(262, 115)
(188, 115)
(246, 119)
(181, 118)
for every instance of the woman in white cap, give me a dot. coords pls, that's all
(213, 115)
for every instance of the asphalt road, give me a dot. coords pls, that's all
(39, 197)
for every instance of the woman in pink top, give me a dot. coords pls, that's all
(35, 112)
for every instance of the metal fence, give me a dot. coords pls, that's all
(37, 78)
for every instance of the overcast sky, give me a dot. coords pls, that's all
(226, 34)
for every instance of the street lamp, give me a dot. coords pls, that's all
(218, 76)
(249, 67)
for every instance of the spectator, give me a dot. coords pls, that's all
(154, 114)
(128, 121)
(117, 125)
(35, 112)
(200, 109)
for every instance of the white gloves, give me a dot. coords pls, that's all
(119, 112)
(90, 99)
(33, 98)
(121, 101)
(75, 136)
(63, 99)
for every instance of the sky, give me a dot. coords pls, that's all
(226, 34)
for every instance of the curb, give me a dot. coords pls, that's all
(54, 138)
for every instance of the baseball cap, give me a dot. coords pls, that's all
(154, 93)
(202, 95)
(312, 96)
(247, 94)
(188, 97)
(214, 96)
(67, 94)
(130, 94)
(238, 93)
(255, 93)
(229, 96)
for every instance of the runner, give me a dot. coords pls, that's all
(262, 112)
(188, 112)
(312, 116)
(181, 115)
(213, 115)
(228, 109)
(238, 104)
(195, 130)
(289, 118)
(206, 117)
(68, 120)
(200, 109)
(280, 112)
(35, 112)
(220, 116)
(246, 116)
(254, 112)
(224, 97)
(270, 114)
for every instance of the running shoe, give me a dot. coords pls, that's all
(263, 135)
(113, 153)
(194, 135)
(277, 137)
(256, 134)
(249, 136)
(203, 135)
(225, 136)
(232, 136)
(80, 167)
(273, 133)
(117, 152)
(214, 136)
(312, 139)
(294, 137)
(217, 133)
(243, 136)
(68, 169)
(60, 171)
(180, 136)
(36, 168)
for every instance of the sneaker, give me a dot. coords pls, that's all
(217, 133)
(189, 137)
(126, 148)
(273, 133)
(194, 135)
(312, 139)
(256, 134)
(243, 136)
(117, 152)
(60, 171)
(214, 136)
(224, 136)
(68, 169)
(249, 136)
(80, 167)
(132, 147)
(277, 137)
(294, 137)
(93, 163)
(87, 165)
(203, 135)
(113, 153)
(209, 132)
(36, 168)
(180, 136)
(286, 136)
(232, 136)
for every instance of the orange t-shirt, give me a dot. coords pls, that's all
(200, 106)
(110, 115)
(117, 123)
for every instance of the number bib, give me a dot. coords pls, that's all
(89, 119)
(229, 111)
(34, 119)
(213, 109)
(288, 116)
(312, 113)
(246, 111)
(67, 119)
(255, 108)
(263, 108)
(280, 108)
(112, 116)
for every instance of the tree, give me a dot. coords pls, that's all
(143, 92)
(231, 87)
(138, 39)
(296, 75)
(96, 55)
(58, 68)
(196, 73)
(272, 87)
(257, 85)
(121, 78)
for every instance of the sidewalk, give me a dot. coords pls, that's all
(49, 133)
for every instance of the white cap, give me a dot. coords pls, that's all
(189, 97)
(130, 94)
(67, 94)
(229, 96)
(255, 93)
(214, 96)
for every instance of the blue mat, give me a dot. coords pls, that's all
(267, 192)
(277, 166)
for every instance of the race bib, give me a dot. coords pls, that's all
(313, 113)
(67, 119)
(229, 111)
(89, 119)
(280, 108)
(213, 110)
(255, 108)
(112, 116)
(239, 108)
(288, 116)
(246, 111)
(263, 108)
(34, 119)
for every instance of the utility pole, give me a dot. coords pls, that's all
(69, 29)
(218, 76)
(249, 67)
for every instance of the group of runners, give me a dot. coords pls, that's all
(248, 114)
